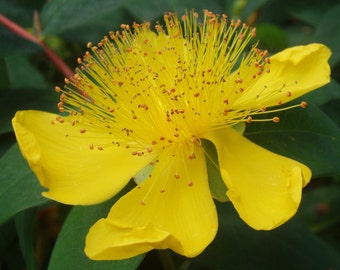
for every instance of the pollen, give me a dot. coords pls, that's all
(303, 104)
(151, 89)
(276, 119)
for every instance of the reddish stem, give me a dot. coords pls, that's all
(55, 59)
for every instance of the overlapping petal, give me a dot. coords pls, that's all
(293, 72)
(264, 187)
(171, 209)
(63, 162)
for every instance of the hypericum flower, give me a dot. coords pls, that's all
(144, 98)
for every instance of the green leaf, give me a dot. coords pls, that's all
(10, 255)
(332, 110)
(217, 187)
(20, 188)
(58, 16)
(324, 94)
(15, 45)
(251, 6)
(155, 9)
(181, 5)
(308, 135)
(99, 27)
(24, 224)
(271, 37)
(68, 253)
(4, 81)
(17, 12)
(319, 208)
(310, 11)
(291, 246)
(12, 101)
(326, 32)
(21, 73)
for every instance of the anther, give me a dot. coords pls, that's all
(190, 183)
(177, 176)
(100, 148)
(142, 203)
(276, 119)
(303, 104)
(91, 146)
(60, 119)
(249, 119)
(83, 130)
(57, 89)
(192, 156)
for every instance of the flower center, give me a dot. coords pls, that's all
(149, 90)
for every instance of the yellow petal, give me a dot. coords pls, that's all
(264, 187)
(171, 209)
(293, 73)
(61, 158)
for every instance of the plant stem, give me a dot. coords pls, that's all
(55, 59)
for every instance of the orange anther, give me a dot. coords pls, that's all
(276, 119)
(303, 104)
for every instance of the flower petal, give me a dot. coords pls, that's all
(264, 187)
(63, 162)
(293, 73)
(171, 209)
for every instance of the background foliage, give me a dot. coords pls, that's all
(39, 234)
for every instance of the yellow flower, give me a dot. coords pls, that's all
(144, 98)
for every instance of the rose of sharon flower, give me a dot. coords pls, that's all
(150, 98)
